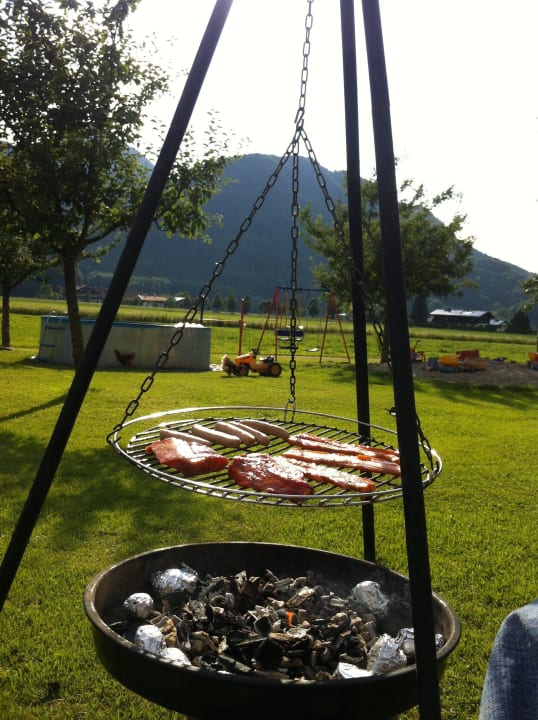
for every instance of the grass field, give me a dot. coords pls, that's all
(482, 511)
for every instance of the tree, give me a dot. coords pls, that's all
(520, 323)
(19, 260)
(265, 306)
(419, 310)
(435, 260)
(217, 303)
(312, 308)
(20, 254)
(530, 288)
(231, 302)
(71, 108)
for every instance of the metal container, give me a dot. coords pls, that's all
(210, 695)
(129, 344)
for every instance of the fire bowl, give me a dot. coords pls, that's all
(210, 695)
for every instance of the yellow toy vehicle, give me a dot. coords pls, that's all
(249, 362)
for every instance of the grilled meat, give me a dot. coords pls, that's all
(190, 458)
(268, 473)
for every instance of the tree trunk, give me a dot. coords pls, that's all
(6, 335)
(385, 344)
(73, 311)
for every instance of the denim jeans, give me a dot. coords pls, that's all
(511, 686)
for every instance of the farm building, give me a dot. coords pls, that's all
(151, 300)
(450, 317)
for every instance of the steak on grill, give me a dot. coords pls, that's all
(190, 458)
(268, 473)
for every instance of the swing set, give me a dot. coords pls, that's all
(282, 327)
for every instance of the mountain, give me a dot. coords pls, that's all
(498, 288)
(262, 259)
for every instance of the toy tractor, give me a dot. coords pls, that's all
(249, 362)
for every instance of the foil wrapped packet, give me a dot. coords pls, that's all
(174, 580)
(385, 655)
(175, 655)
(347, 671)
(369, 597)
(406, 639)
(149, 638)
(139, 605)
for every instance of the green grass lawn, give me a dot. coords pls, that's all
(482, 511)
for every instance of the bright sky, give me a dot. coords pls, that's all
(463, 90)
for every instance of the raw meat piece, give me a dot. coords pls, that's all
(268, 473)
(324, 444)
(190, 458)
(324, 474)
(374, 465)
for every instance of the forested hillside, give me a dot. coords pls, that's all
(261, 262)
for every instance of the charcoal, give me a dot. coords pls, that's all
(291, 629)
(263, 625)
(234, 665)
(300, 597)
(198, 610)
(269, 653)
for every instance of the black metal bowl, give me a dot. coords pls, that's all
(210, 695)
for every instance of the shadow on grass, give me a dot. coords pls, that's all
(34, 409)
(516, 397)
(96, 497)
(510, 396)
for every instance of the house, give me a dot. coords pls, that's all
(151, 300)
(452, 318)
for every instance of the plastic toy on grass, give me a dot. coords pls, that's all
(249, 362)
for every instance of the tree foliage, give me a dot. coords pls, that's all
(312, 307)
(72, 106)
(231, 302)
(520, 323)
(20, 259)
(435, 260)
(217, 303)
(530, 288)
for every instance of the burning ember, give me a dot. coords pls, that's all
(289, 629)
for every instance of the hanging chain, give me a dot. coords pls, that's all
(299, 121)
(339, 231)
(293, 276)
(192, 312)
(309, 19)
(356, 274)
